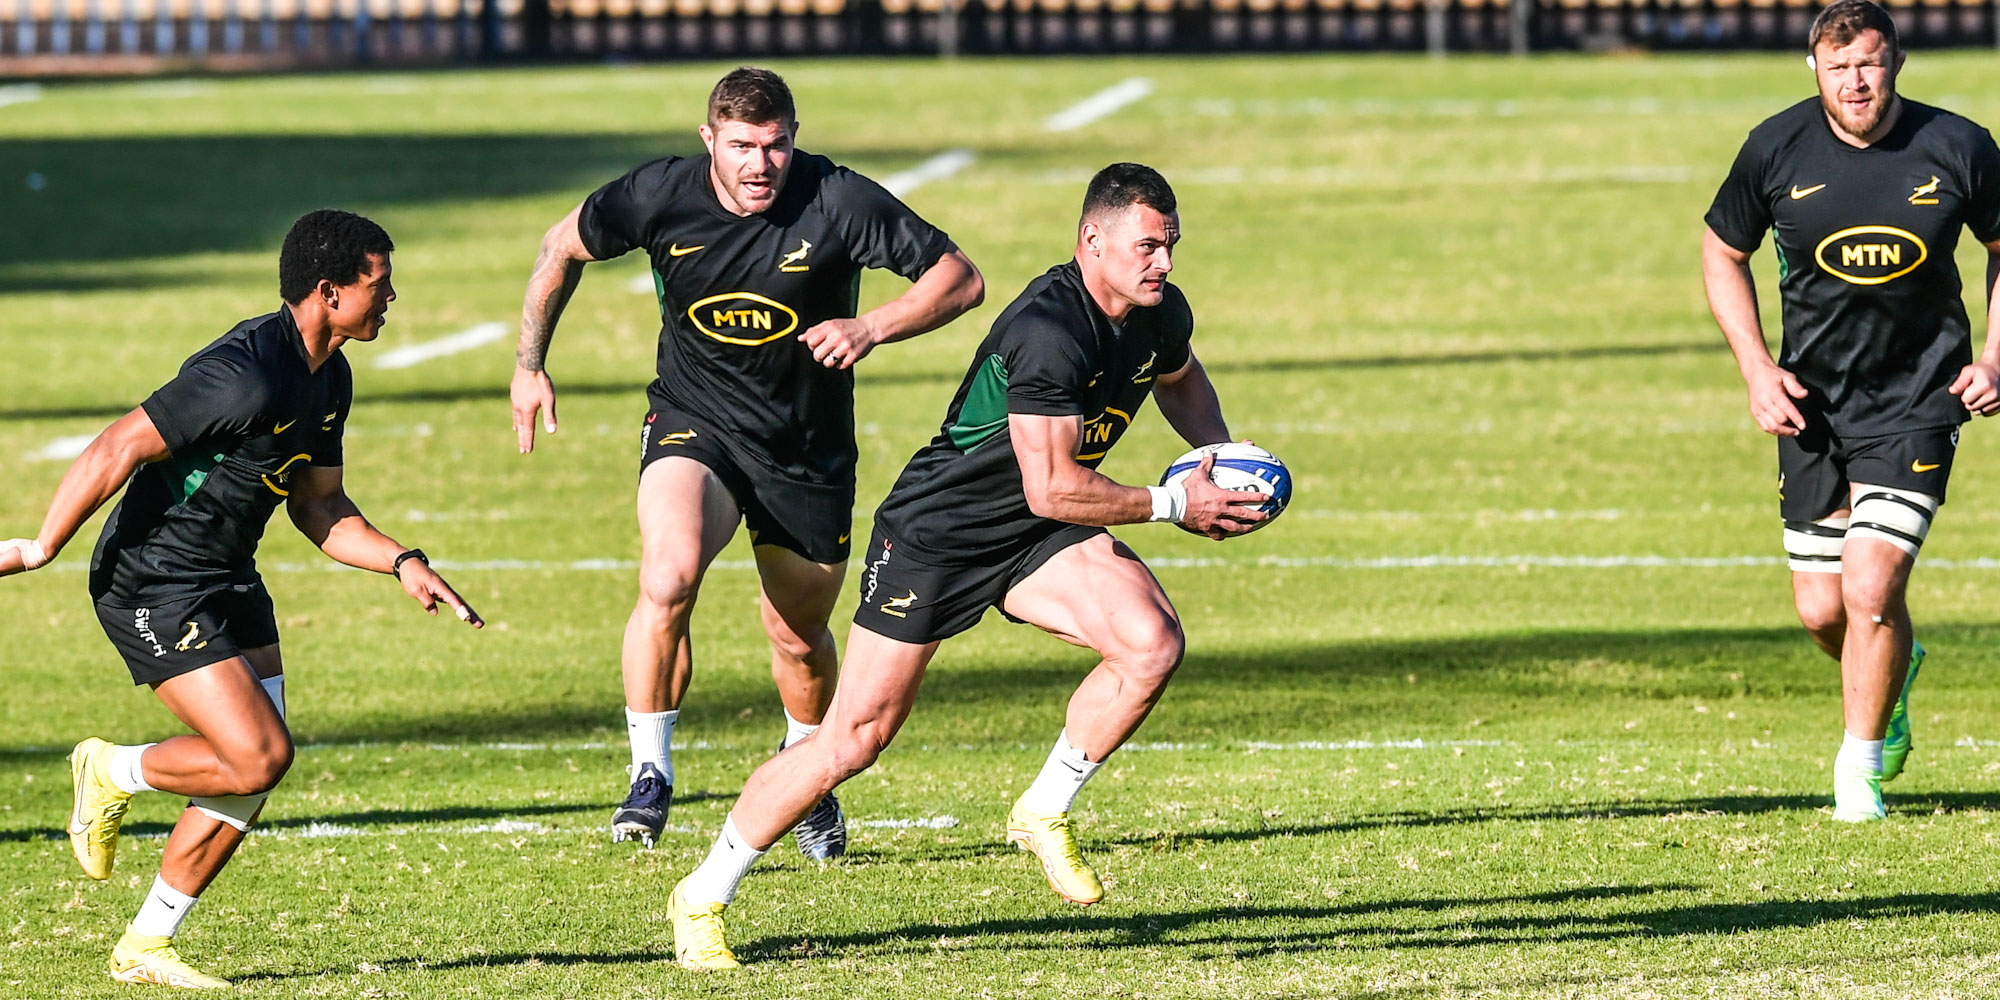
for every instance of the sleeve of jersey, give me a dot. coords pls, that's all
(1982, 213)
(1046, 369)
(880, 230)
(619, 216)
(212, 398)
(327, 448)
(1740, 214)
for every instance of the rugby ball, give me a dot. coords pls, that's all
(1242, 467)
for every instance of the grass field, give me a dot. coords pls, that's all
(1511, 703)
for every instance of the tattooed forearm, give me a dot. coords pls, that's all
(549, 289)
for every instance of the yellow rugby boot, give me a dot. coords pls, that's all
(143, 958)
(699, 941)
(97, 810)
(1049, 838)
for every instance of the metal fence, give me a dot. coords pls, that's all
(54, 37)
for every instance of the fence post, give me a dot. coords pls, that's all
(1521, 23)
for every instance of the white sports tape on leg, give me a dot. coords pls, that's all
(1900, 517)
(240, 811)
(1814, 546)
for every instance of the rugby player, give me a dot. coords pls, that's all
(253, 421)
(1865, 192)
(757, 250)
(1005, 508)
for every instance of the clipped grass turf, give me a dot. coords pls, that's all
(1511, 703)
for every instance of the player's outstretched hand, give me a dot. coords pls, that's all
(1216, 512)
(1771, 393)
(839, 343)
(19, 555)
(423, 583)
(532, 391)
(1978, 387)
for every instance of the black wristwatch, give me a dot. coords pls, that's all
(396, 568)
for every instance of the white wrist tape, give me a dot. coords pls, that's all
(1169, 501)
(32, 556)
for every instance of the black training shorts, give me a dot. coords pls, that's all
(910, 600)
(811, 519)
(189, 633)
(1816, 468)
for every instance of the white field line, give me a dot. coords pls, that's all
(936, 168)
(63, 449)
(1449, 107)
(1099, 105)
(464, 340)
(641, 284)
(20, 93)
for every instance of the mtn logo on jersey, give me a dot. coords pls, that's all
(899, 606)
(1924, 192)
(1871, 255)
(283, 476)
(791, 262)
(1101, 432)
(745, 319)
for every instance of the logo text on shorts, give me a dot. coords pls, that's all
(875, 568)
(142, 620)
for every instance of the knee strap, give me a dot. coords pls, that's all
(1814, 546)
(1900, 517)
(240, 811)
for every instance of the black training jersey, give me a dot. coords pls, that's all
(1052, 353)
(735, 293)
(241, 415)
(1874, 326)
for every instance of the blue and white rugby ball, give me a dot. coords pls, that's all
(1243, 467)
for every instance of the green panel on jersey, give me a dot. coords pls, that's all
(185, 475)
(660, 291)
(1784, 266)
(985, 411)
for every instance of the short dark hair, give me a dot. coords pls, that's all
(1842, 21)
(1122, 185)
(751, 95)
(327, 244)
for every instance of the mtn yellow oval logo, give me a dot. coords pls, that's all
(1101, 432)
(1871, 255)
(745, 319)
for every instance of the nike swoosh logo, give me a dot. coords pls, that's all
(1916, 466)
(281, 428)
(842, 540)
(680, 251)
(76, 828)
(1799, 192)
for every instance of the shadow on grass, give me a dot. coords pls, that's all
(1590, 915)
(498, 391)
(1329, 692)
(378, 820)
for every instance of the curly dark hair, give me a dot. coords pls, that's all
(327, 244)
(1124, 184)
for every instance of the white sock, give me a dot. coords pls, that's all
(126, 771)
(652, 736)
(1062, 778)
(796, 730)
(716, 878)
(1858, 753)
(163, 911)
